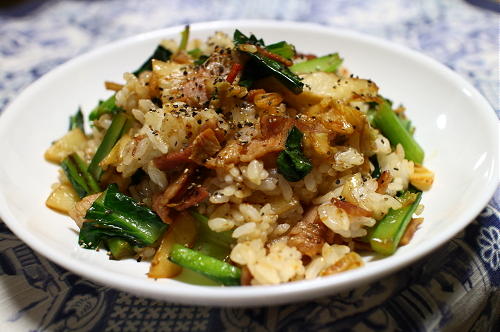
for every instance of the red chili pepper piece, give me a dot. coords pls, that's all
(235, 69)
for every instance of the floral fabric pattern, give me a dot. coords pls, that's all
(489, 243)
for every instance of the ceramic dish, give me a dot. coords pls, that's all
(455, 126)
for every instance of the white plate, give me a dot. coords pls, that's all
(455, 126)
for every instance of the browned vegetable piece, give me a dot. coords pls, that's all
(274, 132)
(182, 231)
(351, 209)
(349, 262)
(383, 182)
(308, 235)
(410, 231)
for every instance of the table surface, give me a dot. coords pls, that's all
(455, 288)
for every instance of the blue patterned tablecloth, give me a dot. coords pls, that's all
(457, 288)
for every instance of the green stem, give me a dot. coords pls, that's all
(327, 63)
(184, 38)
(113, 134)
(385, 236)
(82, 181)
(388, 123)
(89, 179)
(210, 267)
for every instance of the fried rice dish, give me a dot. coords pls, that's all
(244, 162)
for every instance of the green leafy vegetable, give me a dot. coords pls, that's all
(118, 215)
(261, 65)
(385, 236)
(327, 63)
(247, 82)
(391, 127)
(118, 127)
(76, 171)
(210, 267)
(92, 234)
(76, 121)
(160, 53)
(292, 163)
(283, 49)
(107, 106)
(239, 38)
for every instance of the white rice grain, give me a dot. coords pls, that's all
(281, 229)
(334, 218)
(310, 182)
(220, 224)
(347, 159)
(218, 198)
(250, 212)
(229, 190)
(156, 175)
(237, 216)
(244, 229)
(138, 115)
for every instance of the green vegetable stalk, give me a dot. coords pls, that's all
(184, 38)
(328, 63)
(283, 49)
(386, 234)
(391, 127)
(210, 267)
(118, 215)
(76, 171)
(117, 128)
